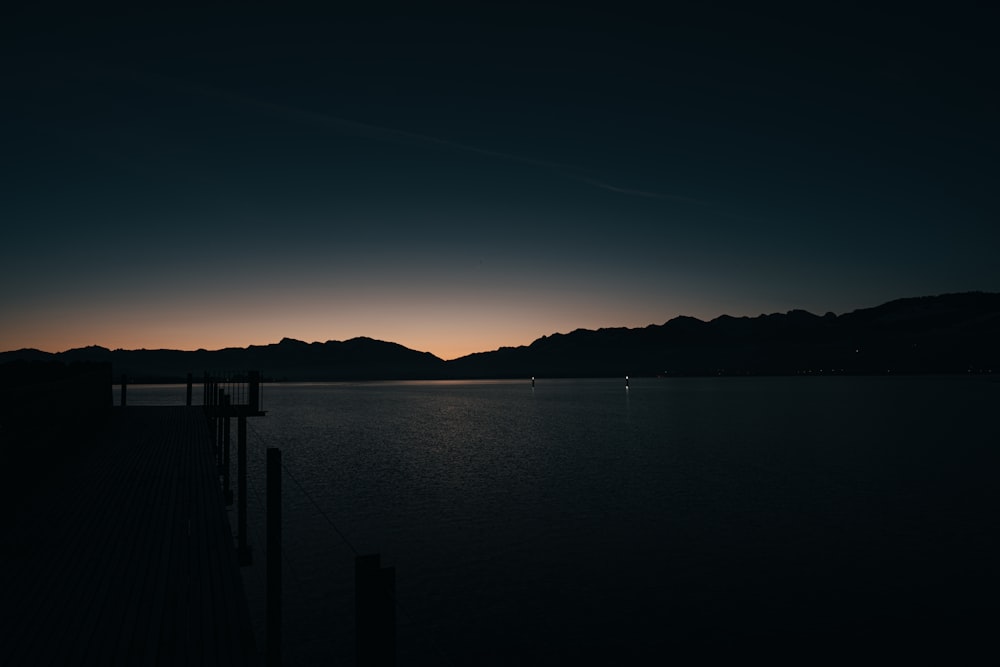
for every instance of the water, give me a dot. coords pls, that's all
(580, 522)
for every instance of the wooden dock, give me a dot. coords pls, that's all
(127, 558)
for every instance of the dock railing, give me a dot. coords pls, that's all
(242, 390)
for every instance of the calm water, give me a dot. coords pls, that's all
(582, 523)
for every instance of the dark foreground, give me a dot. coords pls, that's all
(126, 557)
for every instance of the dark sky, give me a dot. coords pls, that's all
(461, 180)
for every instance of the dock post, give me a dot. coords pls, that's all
(220, 400)
(253, 391)
(273, 602)
(207, 400)
(226, 437)
(213, 390)
(243, 550)
(189, 390)
(375, 612)
(387, 616)
(366, 634)
(124, 388)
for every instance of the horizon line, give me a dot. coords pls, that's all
(557, 333)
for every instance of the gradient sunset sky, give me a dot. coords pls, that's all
(456, 181)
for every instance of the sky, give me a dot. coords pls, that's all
(457, 181)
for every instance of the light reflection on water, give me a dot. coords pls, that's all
(579, 522)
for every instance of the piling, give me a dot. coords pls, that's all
(273, 557)
(243, 549)
(189, 379)
(253, 391)
(375, 611)
(387, 616)
(124, 388)
(226, 437)
(220, 397)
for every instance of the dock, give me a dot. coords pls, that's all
(127, 557)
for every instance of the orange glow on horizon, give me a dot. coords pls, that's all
(445, 343)
(448, 330)
(446, 350)
(61, 339)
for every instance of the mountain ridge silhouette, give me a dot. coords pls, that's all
(948, 333)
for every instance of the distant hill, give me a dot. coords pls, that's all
(954, 333)
(355, 359)
(951, 333)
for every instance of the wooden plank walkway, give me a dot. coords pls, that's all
(131, 561)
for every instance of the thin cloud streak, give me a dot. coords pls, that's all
(635, 193)
(388, 134)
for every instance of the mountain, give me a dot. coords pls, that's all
(951, 333)
(289, 359)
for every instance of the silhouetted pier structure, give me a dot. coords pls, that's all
(127, 557)
(118, 549)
